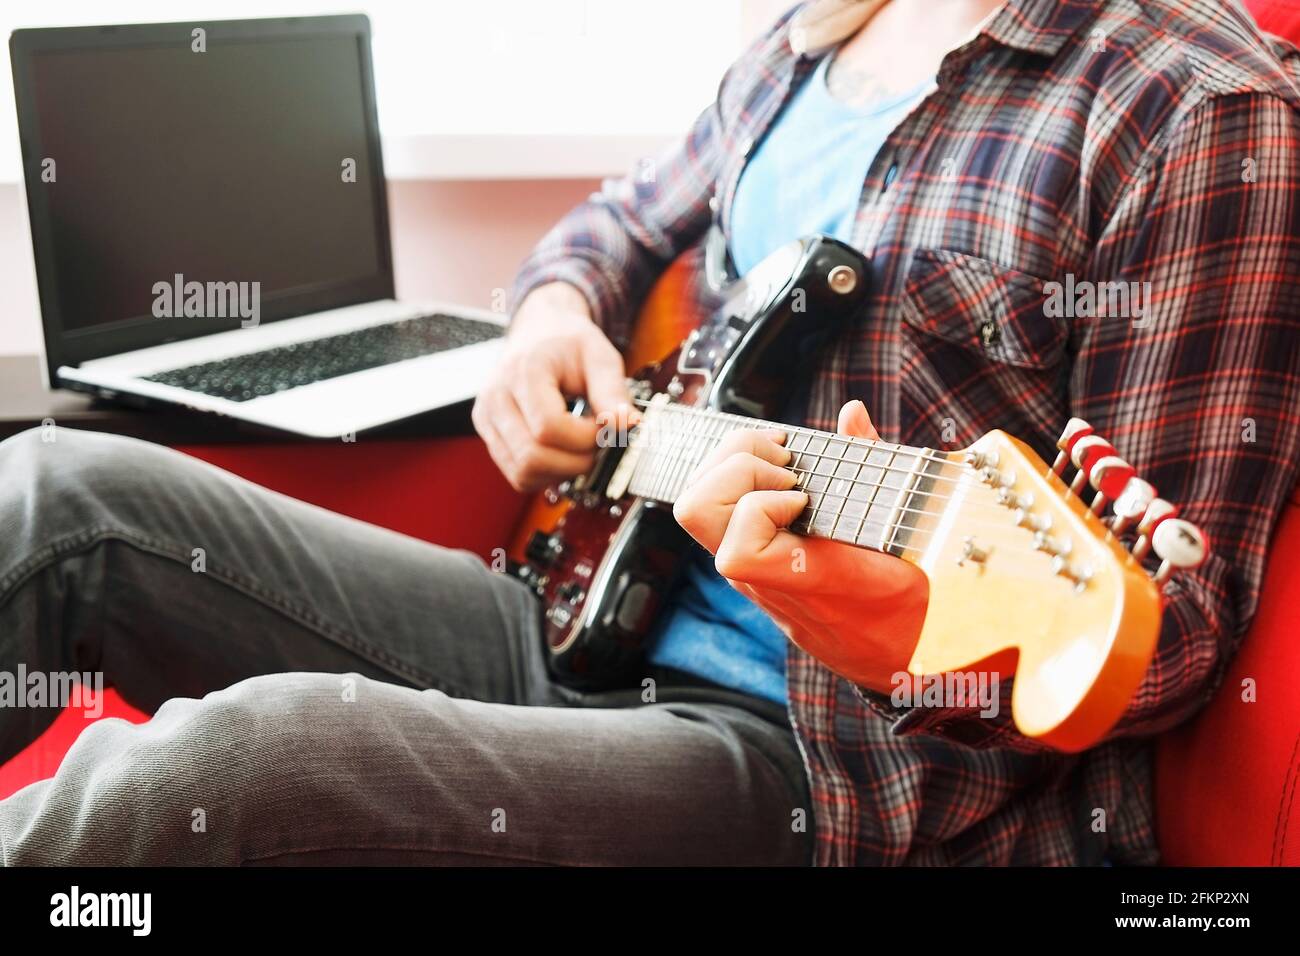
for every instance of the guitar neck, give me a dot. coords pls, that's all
(862, 492)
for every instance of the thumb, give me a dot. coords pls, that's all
(602, 373)
(855, 421)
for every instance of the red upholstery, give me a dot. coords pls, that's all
(1281, 17)
(445, 490)
(1226, 783)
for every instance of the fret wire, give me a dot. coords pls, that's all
(863, 483)
(646, 452)
(665, 461)
(657, 447)
(862, 522)
(707, 440)
(893, 457)
(698, 445)
(831, 478)
(901, 507)
(689, 457)
(659, 450)
(905, 509)
(889, 543)
(814, 501)
(675, 481)
(754, 423)
(714, 432)
(678, 454)
(723, 423)
(857, 474)
(878, 485)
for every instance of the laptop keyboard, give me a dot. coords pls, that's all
(242, 378)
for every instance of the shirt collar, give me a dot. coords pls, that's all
(1036, 26)
(1040, 26)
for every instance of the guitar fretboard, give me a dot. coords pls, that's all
(862, 492)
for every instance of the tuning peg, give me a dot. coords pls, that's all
(1180, 545)
(1109, 476)
(1131, 504)
(1075, 429)
(1085, 454)
(1158, 511)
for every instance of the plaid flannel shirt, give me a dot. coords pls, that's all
(1151, 141)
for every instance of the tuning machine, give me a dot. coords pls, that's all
(1085, 453)
(1109, 476)
(1075, 429)
(1178, 543)
(1131, 504)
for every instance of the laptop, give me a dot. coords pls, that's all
(210, 226)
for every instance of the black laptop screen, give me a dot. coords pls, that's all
(249, 162)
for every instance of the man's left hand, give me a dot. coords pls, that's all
(857, 611)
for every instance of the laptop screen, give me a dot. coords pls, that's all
(157, 158)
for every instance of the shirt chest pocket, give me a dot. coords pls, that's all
(978, 351)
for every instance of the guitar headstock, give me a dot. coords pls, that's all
(1032, 576)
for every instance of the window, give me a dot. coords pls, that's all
(496, 88)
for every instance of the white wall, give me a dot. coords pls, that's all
(451, 240)
(567, 90)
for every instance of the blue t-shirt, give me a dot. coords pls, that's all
(806, 177)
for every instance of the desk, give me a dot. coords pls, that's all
(26, 403)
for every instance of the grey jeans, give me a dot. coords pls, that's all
(325, 691)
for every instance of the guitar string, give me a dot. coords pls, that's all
(864, 519)
(664, 481)
(753, 424)
(890, 544)
(676, 458)
(679, 461)
(809, 520)
(924, 454)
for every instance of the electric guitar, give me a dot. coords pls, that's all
(1027, 575)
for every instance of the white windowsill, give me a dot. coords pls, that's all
(487, 156)
(516, 156)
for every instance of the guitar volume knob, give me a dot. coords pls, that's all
(842, 279)
(542, 549)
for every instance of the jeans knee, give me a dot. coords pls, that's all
(54, 467)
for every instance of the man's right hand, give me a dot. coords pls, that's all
(553, 350)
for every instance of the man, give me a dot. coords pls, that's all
(1107, 140)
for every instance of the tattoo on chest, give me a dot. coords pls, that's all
(855, 86)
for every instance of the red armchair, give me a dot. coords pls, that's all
(1226, 784)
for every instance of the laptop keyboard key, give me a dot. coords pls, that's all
(242, 378)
